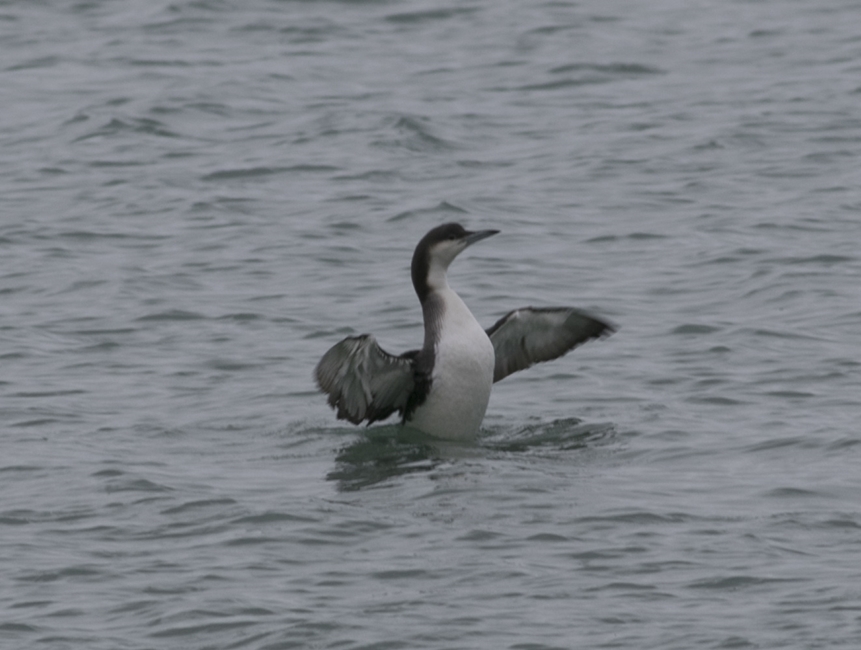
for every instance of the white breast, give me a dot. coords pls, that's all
(462, 375)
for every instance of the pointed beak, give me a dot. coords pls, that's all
(478, 235)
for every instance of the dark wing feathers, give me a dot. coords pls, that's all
(528, 336)
(363, 381)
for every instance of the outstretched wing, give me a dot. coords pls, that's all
(528, 336)
(363, 381)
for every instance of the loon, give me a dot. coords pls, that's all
(443, 388)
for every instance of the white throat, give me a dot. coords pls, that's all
(437, 276)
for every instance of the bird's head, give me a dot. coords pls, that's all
(436, 251)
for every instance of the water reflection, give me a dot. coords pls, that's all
(382, 453)
(386, 452)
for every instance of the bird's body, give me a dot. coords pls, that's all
(443, 389)
(462, 374)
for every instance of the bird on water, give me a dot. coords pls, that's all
(443, 388)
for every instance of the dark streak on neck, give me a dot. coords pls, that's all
(432, 310)
(419, 270)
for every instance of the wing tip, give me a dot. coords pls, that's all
(607, 328)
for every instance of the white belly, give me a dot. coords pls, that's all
(461, 379)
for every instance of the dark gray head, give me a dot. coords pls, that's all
(435, 252)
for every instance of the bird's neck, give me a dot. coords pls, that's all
(437, 280)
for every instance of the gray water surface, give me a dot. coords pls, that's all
(197, 199)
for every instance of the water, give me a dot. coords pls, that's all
(199, 198)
